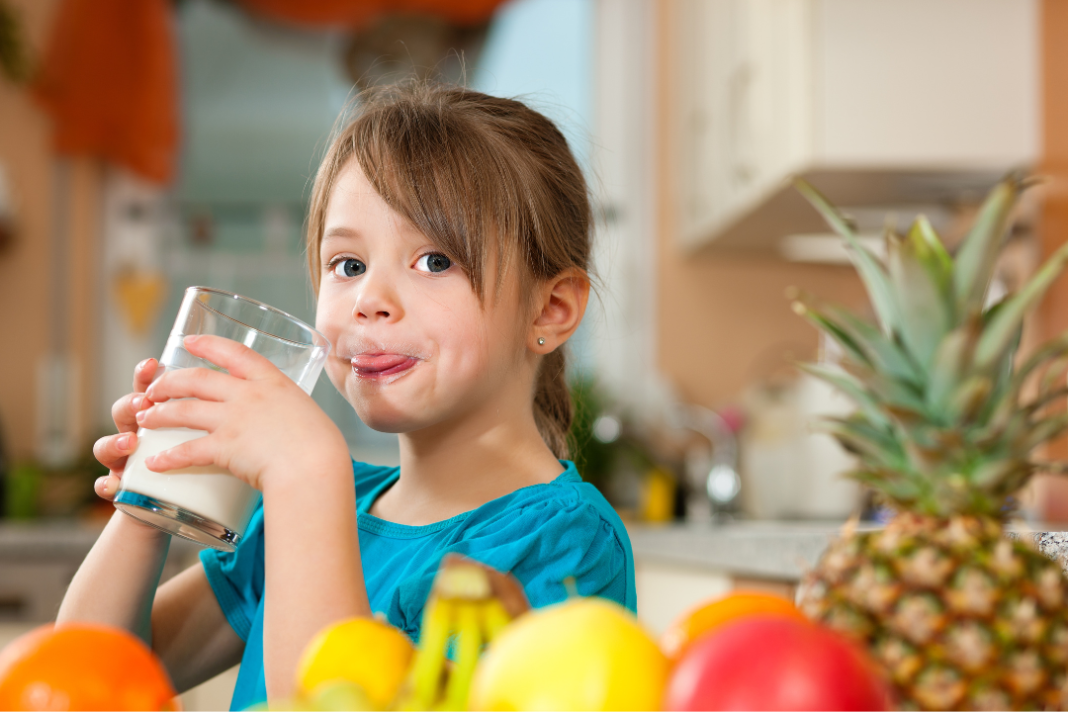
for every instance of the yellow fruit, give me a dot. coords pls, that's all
(340, 696)
(364, 651)
(583, 654)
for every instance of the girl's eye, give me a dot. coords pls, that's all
(348, 267)
(433, 262)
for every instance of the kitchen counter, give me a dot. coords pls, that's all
(678, 566)
(775, 550)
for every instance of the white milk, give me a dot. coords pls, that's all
(210, 492)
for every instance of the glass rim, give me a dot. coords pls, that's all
(267, 307)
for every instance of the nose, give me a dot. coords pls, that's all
(377, 299)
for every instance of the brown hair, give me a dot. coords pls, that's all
(465, 168)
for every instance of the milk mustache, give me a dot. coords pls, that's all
(209, 492)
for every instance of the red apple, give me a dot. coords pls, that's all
(775, 663)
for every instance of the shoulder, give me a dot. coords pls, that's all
(548, 533)
(567, 500)
(369, 478)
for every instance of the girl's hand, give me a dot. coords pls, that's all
(112, 450)
(261, 426)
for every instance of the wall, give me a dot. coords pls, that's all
(1054, 226)
(28, 271)
(724, 320)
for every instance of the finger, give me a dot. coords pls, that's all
(184, 413)
(111, 451)
(124, 411)
(144, 372)
(238, 359)
(201, 383)
(193, 453)
(107, 487)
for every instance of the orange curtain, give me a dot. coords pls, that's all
(109, 75)
(355, 13)
(109, 80)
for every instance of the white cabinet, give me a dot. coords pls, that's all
(879, 102)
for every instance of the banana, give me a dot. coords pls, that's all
(494, 618)
(463, 610)
(468, 650)
(429, 663)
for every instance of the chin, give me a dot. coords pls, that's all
(379, 414)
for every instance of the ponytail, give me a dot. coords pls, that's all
(552, 403)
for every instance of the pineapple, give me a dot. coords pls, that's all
(959, 615)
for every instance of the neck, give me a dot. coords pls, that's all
(459, 465)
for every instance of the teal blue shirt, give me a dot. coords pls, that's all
(541, 534)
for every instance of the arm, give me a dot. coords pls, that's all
(118, 580)
(190, 633)
(313, 571)
(265, 430)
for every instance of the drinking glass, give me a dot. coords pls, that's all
(209, 505)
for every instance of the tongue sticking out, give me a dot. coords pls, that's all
(380, 364)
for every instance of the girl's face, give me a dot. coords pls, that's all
(413, 344)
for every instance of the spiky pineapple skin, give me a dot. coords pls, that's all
(958, 615)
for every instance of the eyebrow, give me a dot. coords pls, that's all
(340, 231)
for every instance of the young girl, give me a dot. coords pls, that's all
(449, 241)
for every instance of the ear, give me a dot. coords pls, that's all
(562, 302)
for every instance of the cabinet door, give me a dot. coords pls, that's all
(745, 78)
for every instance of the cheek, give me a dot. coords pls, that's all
(330, 312)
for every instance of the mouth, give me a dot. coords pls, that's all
(374, 366)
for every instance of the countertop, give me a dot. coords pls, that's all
(773, 549)
(61, 539)
(764, 549)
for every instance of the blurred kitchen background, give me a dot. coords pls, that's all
(150, 145)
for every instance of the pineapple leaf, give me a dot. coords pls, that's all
(1051, 467)
(858, 435)
(867, 403)
(933, 252)
(925, 307)
(968, 399)
(897, 488)
(883, 353)
(834, 329)
(950, 363)
(1004, 405)
(1045, 399)
(1054, 349)
(978, 253)
(997, 338)
(996, 471)
(892, 393)
(1044, 431)
(871, 271)
(1054, 374)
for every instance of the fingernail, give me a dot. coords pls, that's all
(141, 365)
(141, 415)
(103, 482)
(124, 442)
(191, 339)
(137, 401)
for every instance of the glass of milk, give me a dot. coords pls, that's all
(207, 504)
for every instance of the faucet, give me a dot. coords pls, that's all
(713, 490)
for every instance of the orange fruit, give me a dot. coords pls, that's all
(709, 615)
(82, 666)
(365, 651)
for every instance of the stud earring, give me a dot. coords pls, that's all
(541, 341)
